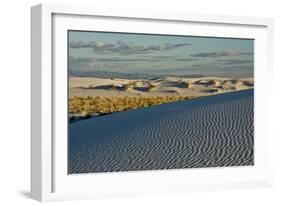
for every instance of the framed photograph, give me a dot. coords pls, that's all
(136, 102)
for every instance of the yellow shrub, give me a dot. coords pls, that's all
(103, 105)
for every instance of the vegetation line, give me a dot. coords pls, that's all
(95, 105)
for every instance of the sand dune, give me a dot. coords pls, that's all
(194, 87)
(212, 131)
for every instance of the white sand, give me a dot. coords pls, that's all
(81, 86)
(214, 131)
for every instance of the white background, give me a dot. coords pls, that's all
(143, 182)
(15, 102)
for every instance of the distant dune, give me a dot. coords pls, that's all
(91, 86)
(213, 131)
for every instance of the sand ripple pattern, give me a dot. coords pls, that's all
(215, 131)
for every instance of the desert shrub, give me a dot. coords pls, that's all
(103, 105)
(248, 83)
(183, 84)
(211, 82)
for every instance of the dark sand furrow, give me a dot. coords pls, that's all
(207, 132)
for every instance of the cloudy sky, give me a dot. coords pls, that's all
(160, 54)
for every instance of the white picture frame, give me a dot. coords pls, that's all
(49, 178)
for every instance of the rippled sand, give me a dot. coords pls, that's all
(213, 131)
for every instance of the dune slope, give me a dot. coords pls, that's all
(213, 131)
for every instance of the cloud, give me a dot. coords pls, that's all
(127, 59)
(90, 63)
(122, 47)
(108, 64)
(235, 61)
(112, 59)
(183, 59)
(202, 65)
(213, 67)
(247, 53)
(241, 67)
(217, 54)
(159, 57)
